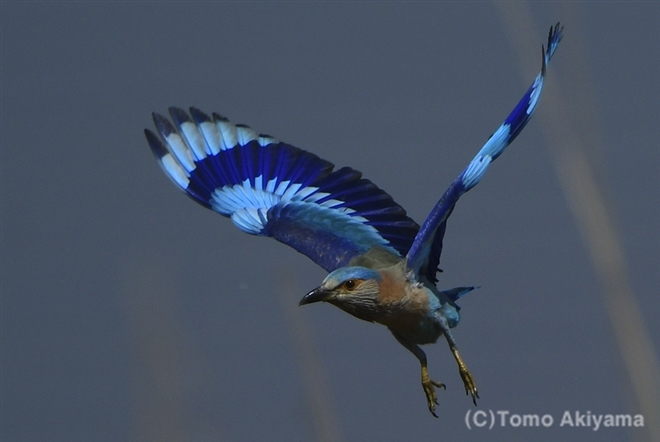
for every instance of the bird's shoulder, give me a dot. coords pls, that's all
(376, 258)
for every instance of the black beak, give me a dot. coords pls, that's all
(315, 295)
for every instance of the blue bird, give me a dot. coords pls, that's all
(382, 265)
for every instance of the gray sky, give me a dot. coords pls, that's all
(131, 313)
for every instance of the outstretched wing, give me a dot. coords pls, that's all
(424, 255)
(271, 188)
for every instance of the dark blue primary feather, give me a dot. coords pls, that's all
(273, 189)
(424, 255)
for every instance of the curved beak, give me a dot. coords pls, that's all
(315, 295)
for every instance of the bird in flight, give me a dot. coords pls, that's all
(382, 265)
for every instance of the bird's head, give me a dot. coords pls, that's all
(352, 289)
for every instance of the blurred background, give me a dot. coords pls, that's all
(131, 313)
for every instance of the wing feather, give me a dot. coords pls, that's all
(424, 255)
(270, 188)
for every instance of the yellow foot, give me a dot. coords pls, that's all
(429, 386)
(470, 386)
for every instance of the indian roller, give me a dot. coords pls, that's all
(382, 265)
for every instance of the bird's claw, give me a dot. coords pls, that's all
(468, 382)
(429, 386)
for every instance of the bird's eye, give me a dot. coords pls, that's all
(350, 284)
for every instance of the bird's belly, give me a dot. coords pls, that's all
(418, 328)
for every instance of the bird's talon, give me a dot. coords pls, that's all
(438, 384)
(429, 386)
(470, 385)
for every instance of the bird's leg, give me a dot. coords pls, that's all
(468, 381)
(428, 384)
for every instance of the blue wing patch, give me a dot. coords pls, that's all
(271, 188)
(424, 254)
